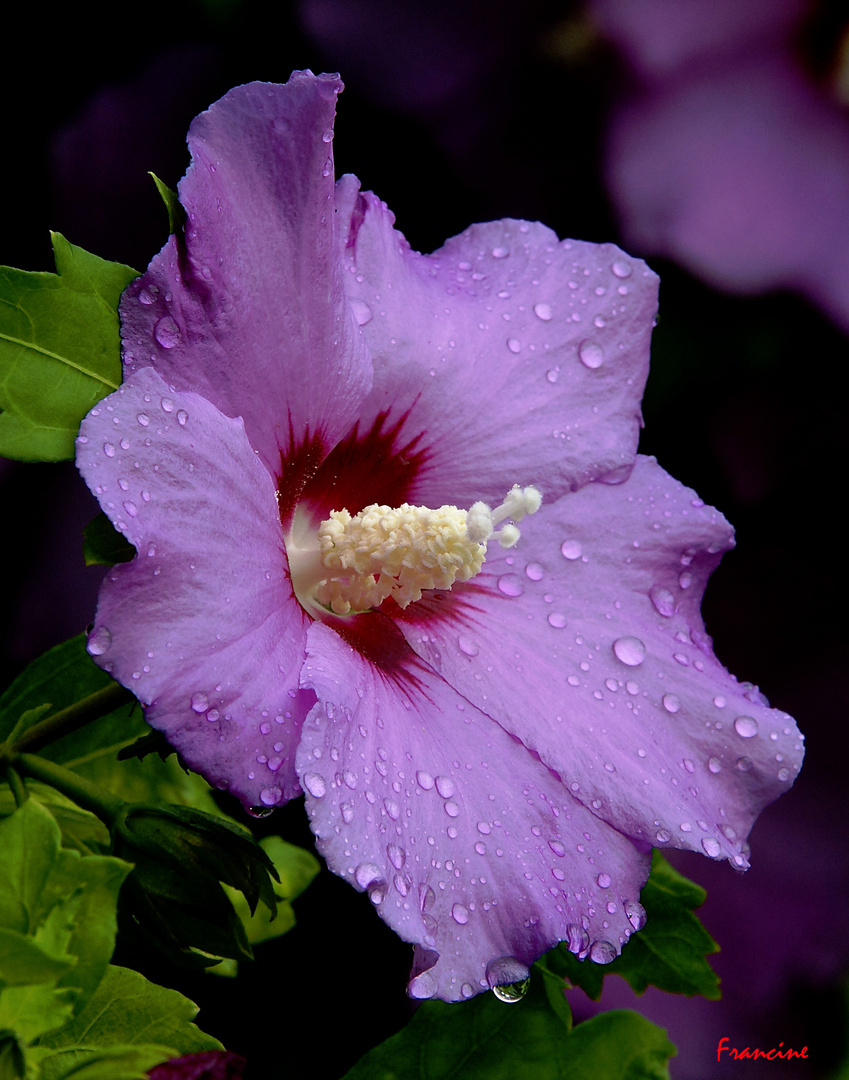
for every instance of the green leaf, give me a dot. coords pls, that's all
(65, 675)
(671, 950)
(103, 545)
(619, 1045)
(62, 676)
(176, 213)
(487, 1039)
(127, 1010)
(116, 1063)
(29, 840)
(64, 903)
(59, 349)
(295, 868)
(23, 961)
(81, 831)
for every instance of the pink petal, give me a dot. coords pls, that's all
(741, 175)
(202, 625)
(521, 358)
(663, 37)
(248, 308)
(466, 843)
(587, 643)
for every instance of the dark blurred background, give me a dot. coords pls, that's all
(710, 137)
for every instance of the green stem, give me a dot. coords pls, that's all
(75, 716)
(14, 781)
(86, 794)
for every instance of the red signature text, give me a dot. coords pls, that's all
(754, 1052)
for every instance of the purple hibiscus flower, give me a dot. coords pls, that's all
(492, 759)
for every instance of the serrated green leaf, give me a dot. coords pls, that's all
(116, 1063)
(26, 962)
(480, 1039)
(103, 545)
(32, 1011)
(59, 349)
(671, 950)
(296, 867)
(29, 840)
(487, 1039)
(65, 675)
(619, 1045)
(81, 830)
(127, 1010)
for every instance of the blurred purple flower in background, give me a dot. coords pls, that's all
(493, 762)
(724, 155)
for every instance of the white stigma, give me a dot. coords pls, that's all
(363, 559)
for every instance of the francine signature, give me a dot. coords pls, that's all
(755, 1052)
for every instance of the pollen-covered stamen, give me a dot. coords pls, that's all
(518, 503)
(383, 551)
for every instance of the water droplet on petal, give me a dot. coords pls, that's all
(445, 786)
(663, 600)
(577, 940)
(746, 726)
(621, 268)
(671, 702)
(629, 651)
(424, 780)
(182, 417)
(513, 345)
(468, 645)
(362, 312)
(508, 977)
(167, 332)
(109, 449)
(636, 914)
(99, 642)
(510, 585)
(167, 404)
(591, 354)
(715, 765)
(423, 986)
(460, 914)
(199, 702)
(366, 873)
(270, 796)
(315, 784)
(571, 550)
(602, 952)
(143, 419)
(543, 311)
(711, 846)
(500, 253)
(557, 620)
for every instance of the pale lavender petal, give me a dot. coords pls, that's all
(742, 176)
(466, 844)
(663, 37)
(587, 643)
(248, 307)
(515, 357)
(202, 625)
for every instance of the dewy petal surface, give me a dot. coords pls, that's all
(465, 842)
(248, 307)
(507, 351)
(202, 625)
(587, 643)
